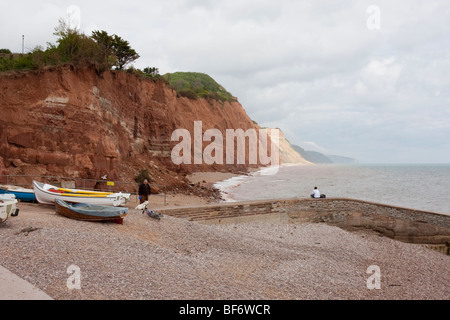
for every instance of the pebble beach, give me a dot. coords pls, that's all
(175, 259)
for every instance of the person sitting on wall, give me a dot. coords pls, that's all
(144, 191)
(316, 194)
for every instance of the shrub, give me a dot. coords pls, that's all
(76, 48)
(188, 93)
(142, 175)
(197, 85)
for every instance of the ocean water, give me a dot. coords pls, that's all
(417, 186)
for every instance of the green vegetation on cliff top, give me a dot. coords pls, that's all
(195, 85)
(104, 52)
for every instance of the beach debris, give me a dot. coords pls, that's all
(142, 206)
(151, 213)
(154, 214)
(26, 231)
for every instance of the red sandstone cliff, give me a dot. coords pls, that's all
(72, 122)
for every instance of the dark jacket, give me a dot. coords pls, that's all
(144, 189)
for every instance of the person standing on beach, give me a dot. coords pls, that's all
(315, 194)
(144, 191)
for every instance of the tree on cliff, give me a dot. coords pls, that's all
(115, 48)
(74, 46)
(105, 43)
(124, 53)
(152, 71)
(102, 50)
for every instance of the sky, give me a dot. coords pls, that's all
(364, 79)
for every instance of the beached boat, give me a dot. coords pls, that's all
(8, 207)
(47, 194)
(22, 194)
(90, 212)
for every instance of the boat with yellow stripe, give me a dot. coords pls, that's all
(47, 194)
(83, 191)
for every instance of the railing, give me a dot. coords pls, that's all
(26, 181)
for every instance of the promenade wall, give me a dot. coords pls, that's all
(408, 225)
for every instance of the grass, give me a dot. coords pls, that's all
(194, 85)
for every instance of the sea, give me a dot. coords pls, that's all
(416, 186)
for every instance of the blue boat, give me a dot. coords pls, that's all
(22, 194)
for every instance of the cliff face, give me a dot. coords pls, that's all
(288, 154)
(72, 122)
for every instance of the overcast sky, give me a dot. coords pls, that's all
(364, 79)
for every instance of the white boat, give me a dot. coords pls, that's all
(47, 194)
(7, 196)
(8, 207)
(22, 194)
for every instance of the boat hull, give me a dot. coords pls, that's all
(45, 195)
(8, 208)
(22, 194)
(90, 212)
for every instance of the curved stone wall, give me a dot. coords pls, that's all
(403, 224)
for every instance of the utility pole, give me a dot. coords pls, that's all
(23, 44)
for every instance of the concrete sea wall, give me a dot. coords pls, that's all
(403, 224)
